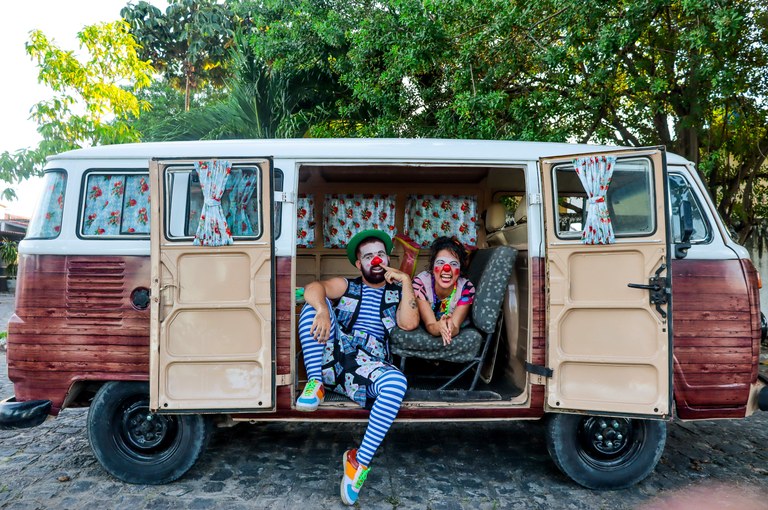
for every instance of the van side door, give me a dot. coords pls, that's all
(211, 332)
(608, 326)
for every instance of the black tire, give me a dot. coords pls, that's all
(137, 446)
(601, 452)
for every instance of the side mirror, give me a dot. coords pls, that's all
(686, 227)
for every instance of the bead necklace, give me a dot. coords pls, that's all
(445, 304)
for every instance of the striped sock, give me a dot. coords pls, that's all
(311, 348)
(389, 390)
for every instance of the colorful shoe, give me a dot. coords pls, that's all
(312, 396)
(354, 477)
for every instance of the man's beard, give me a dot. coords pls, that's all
(372, 277)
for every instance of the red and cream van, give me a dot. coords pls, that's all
(625, 303)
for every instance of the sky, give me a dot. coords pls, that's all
(60, 20)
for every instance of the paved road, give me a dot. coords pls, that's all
(706, 465)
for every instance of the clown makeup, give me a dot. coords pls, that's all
(369, 252)
(446, 269)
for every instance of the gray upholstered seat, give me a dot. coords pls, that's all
(489, 271)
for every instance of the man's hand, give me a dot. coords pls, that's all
(321, 326)
(395, 275)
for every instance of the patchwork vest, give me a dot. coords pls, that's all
(349, 305)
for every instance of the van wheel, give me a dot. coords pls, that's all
(601, 452)
(137, 446)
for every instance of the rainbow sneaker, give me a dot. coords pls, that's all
(354, 477)
(312, 396)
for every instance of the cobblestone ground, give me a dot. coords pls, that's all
(706, 465)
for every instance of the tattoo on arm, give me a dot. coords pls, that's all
(413, 304)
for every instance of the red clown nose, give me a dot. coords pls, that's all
(376, 261)
(447, 268)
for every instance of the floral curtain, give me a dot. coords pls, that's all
(136, 205)
(103, 205)
(346, 215)
(428, 217)
(212, 230)
(47, 219)
(305, 222)
(595, 175)
(239, 200)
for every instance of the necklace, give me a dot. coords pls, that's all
(444, 304)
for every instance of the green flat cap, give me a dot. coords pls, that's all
(362, 236)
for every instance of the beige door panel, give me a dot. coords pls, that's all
(211, 331)
(607, 346)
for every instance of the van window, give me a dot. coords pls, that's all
(629, 200)
(46, 221)
(428, 217)
(240, 202)
(115, 205)
(678, 190)
(305, 221)
(346, 215)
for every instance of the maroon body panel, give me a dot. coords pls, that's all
(716, 335)
(74, 322)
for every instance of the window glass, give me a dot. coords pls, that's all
(678, 190)
(240, 202)
(428, 217)
(629, 200)
(46, 221)
(115, 204)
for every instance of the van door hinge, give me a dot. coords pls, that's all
(283, 379)
(534, 198)
(285, 196)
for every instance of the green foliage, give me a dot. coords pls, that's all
(92, 99)
(9, 254)
(688, 74)
(188, 43)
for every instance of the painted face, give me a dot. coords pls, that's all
(446, 269)
(372, 255)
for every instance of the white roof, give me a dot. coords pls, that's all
(339, 149)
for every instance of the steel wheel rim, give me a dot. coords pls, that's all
(144, 436)
(607, 443)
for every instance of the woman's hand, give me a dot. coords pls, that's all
(446, 328)
(321, 326)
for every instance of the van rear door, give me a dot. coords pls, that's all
(211, 334)
(608, 328)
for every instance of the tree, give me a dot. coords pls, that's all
(93, 98)
(188, 43)
(688, 74)
(260, 103)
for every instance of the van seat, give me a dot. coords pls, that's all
(490, 271)
(517, 235)
(495, 225)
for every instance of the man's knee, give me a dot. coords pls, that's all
(394, 379)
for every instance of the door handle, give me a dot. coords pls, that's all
(659, 290)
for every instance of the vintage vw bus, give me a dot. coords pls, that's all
(610, 297)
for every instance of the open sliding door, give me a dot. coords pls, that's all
(211, 333)
(608, 334)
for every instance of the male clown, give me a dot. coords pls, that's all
(346, 347)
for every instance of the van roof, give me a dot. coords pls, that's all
(381, 149)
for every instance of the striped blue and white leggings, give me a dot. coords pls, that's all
(388, 389)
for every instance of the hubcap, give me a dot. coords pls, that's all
(143, 429)
(608, 442)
